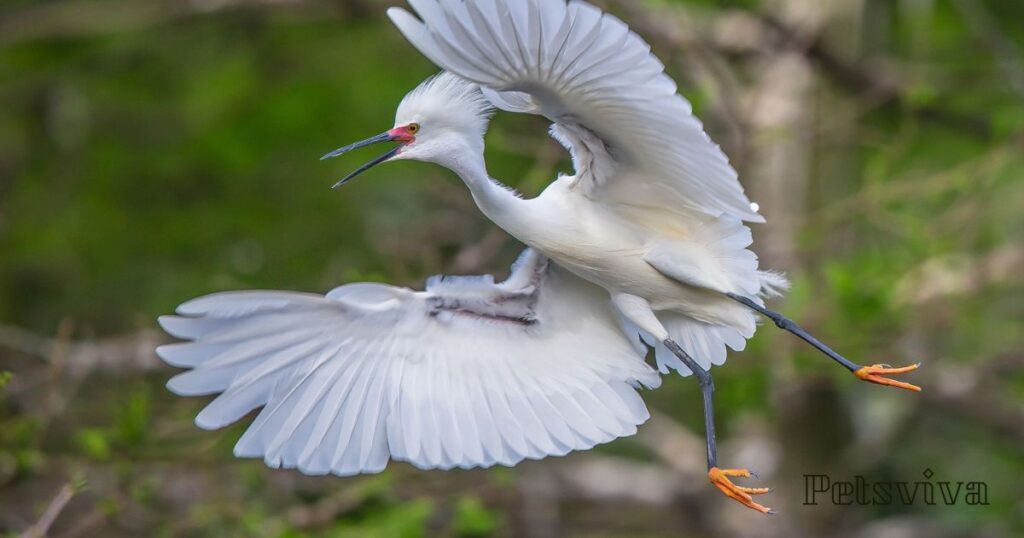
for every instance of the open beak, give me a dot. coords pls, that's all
(389, 136)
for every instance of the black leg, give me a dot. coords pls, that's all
(718, 477)
(787, 324)
(707, 388)
(875, 373)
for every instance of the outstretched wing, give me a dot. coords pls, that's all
(467, 373)
(611, 101)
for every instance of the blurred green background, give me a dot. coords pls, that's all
(155, 150)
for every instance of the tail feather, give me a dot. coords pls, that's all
(773, 284)
(705, 343)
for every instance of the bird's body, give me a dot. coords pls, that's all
(610, 246)
(646, 243)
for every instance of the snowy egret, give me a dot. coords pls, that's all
(645, 245)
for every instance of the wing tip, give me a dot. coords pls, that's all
(754, 217)
(176, 386)
(205, 304)
(405, 21)
(205, 422)
(162, 351)
(395, 11)
(242, 451)
(168, 354)
(174, 326)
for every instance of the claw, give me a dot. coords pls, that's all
(875, 374)
(740, 494)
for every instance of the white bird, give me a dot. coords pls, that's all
(644, 245)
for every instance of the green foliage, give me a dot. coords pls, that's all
(406, 520)
(472, 518)
(94, 443)
(134, 418)
(127, 432)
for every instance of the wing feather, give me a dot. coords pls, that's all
(468, 373)
(585, 70)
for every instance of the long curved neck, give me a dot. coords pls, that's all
(498, 203)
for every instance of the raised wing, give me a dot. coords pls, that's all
(611, 101)
(467, 373)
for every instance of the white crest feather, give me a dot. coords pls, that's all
(447, 100)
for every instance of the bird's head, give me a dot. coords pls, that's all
(444, 118)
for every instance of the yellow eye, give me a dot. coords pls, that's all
(413, 128)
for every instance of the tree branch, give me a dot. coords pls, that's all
(41, 527)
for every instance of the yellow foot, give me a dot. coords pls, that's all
(875, 374)
(740, 494)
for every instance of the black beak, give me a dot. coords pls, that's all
(383, 137)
